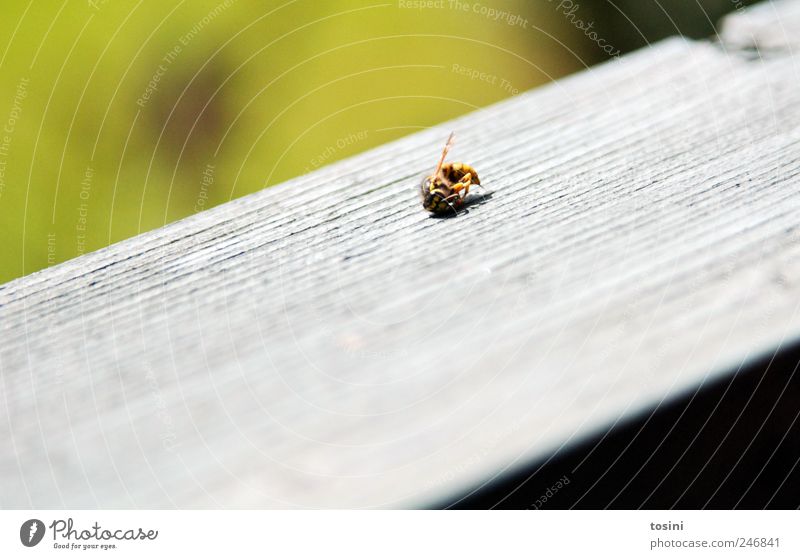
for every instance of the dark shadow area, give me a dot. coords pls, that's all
(734, 443)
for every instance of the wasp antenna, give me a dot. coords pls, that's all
(447, 147)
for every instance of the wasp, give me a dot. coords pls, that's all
(446, 189)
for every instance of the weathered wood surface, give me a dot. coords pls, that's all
(764, 28)
(325, 343)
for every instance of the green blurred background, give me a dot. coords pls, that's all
(121, 116)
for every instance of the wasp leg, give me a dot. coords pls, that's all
(463, 184)
(483, 189)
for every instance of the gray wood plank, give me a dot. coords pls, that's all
(324, 343)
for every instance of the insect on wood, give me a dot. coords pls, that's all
(446, 189)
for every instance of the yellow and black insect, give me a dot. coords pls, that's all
(446, 189)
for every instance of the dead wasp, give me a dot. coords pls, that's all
(446, 189)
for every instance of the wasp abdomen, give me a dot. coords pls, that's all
(454, 172)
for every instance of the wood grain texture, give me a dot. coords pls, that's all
(324, 343)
